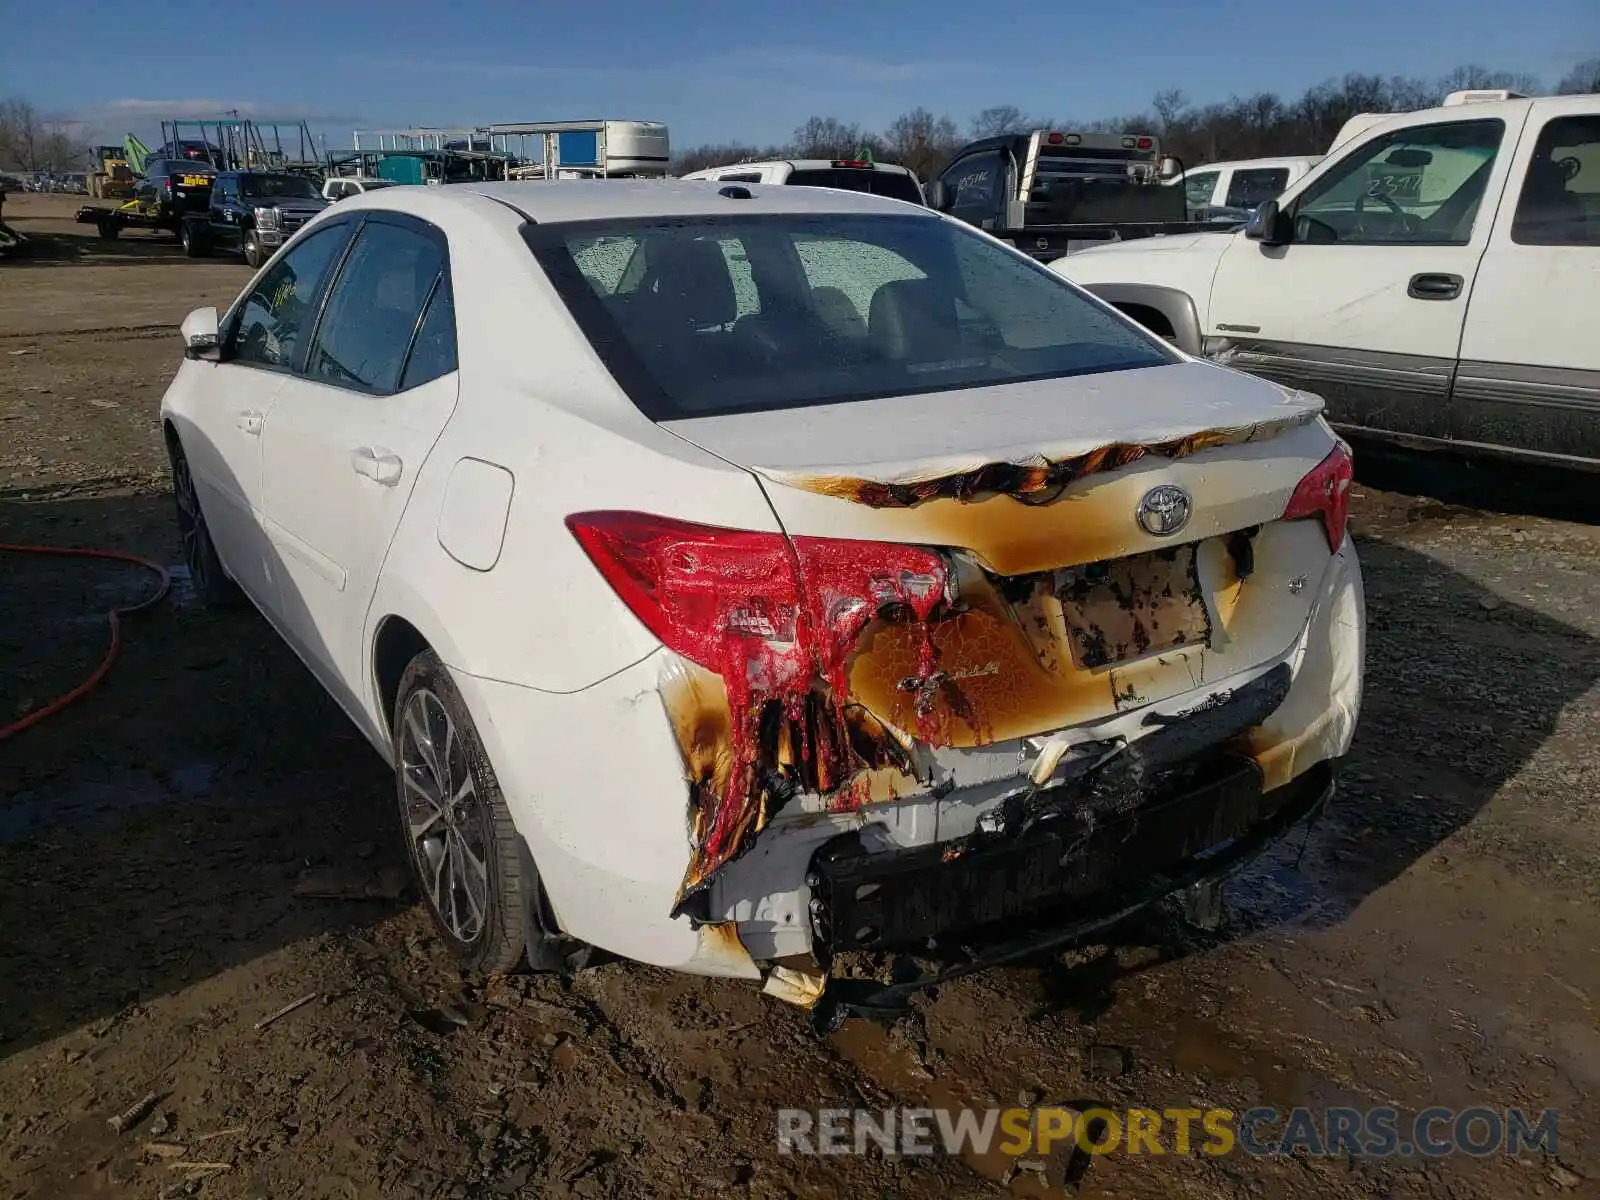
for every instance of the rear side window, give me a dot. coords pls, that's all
(374, 308)
(877, 183)
(1252, 188)
(1198, 186)
(1559, 204)
(701, 316)
(433, 355)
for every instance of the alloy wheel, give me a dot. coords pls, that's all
(444, 817)
(191, 526)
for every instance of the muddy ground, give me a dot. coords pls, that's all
(1438, 942)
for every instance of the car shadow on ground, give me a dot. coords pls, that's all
(90, 250)
(1458, 697)
(156, 832)
(1480, 485)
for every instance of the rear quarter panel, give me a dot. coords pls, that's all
(536, 401)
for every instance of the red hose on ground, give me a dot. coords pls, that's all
(115, 616)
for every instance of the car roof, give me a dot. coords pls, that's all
(556, 201)
(1250, 164)
(800, 164)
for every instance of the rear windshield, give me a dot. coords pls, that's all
(894, 184)
(703, 316)
(277, 186)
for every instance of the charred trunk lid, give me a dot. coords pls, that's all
(1066, 604)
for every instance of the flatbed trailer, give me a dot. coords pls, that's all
(110, 222)
(164, 209)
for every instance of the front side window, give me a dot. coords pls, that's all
(1254, 187)
(275, 317)
(973, 185)
(1198, 188)
(835, 308)
(1559, 204)
(1420, 186)
(374, 308)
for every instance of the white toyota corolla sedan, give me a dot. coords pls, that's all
(737, 577)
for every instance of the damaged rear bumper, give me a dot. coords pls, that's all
(1070, 843)
(1009, 897)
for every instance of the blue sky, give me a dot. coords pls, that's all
(715, 70)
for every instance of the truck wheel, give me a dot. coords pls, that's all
(254, 252)
(194, 244)
(107, 228)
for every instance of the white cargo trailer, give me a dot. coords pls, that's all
(584, 149)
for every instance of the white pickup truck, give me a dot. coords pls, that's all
(851, 174)
(1436, 279)
(1242, 184)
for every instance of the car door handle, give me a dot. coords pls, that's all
(382, 468)
(250, 422)
(1434, 287)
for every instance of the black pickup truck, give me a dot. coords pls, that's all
(1051, 192)
(252, 213)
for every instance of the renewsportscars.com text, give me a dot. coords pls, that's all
(1362, 1133)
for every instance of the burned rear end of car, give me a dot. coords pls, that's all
(896, 745)
(1049, 622)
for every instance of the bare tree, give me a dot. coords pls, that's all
(1583, 78)
(921, 141)
(1170, 105)
(827, 137)
(1251, 126)
(1473, 76)
(29, 142)
(997, 120)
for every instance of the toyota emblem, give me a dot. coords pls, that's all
(1164, 510)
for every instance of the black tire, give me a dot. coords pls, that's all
(108, 228)
(194, 242)
(465, 852)
(212, 587)
(254, 251)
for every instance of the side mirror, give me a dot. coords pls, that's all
(1270, 225)
(200, 335)
(1170, 168)
(935, 194)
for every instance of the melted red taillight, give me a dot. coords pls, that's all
(707, 591)
(1325, 492)
(694, 586)
(777, 620)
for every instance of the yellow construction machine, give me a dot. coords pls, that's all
(115, 168)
